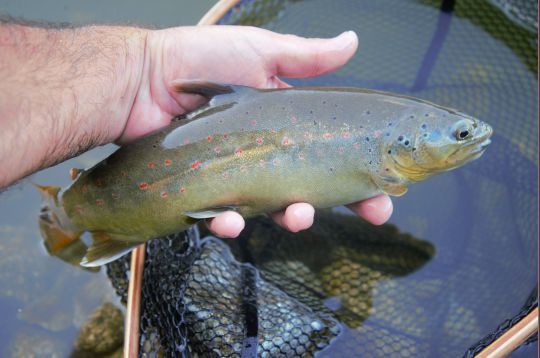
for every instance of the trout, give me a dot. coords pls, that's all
(256, 151)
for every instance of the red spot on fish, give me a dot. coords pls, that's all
(301, 156)
(78, 209)
(275, 162)
(209, 138)
(217, 149)
(238, 151)
(186, 141)
(164, 194)
(356, 146)
(327, 135)
(272, 131)
(308, 135)
(253, 122)
(182, 189)
(99, 182)
(194, 165)
(151, 165)
(84, 188)
(143, 186)
(225, 136)
(346, 134)
(259, 141)
(262, 163)
(225, 175)
(377, 134)
(285, 141)
(167, 162)
(294, 120)
(99, 202)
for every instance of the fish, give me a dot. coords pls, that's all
(256, 151)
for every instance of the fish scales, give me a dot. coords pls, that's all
(257, 151)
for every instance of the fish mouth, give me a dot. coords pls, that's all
(476, 147)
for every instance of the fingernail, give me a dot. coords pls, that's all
(345, 40)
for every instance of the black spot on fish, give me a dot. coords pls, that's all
(368, 112)
(247, 113)
(369, 150)
(334, 118)
(388, 134)
(426, 115)
(323, 102)
(413, 149)
(314, 123)
(400, 138)
(335, 105)
(389, 124)
(331, 169)
(370, 162)
(386, 169)
(310, 112)
(411, 117)
(406, 142)
(390, 151)
(424, 126)
(425, 135)
(367, 139)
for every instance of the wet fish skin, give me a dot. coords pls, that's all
(257, 151)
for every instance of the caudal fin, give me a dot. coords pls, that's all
(59, 235)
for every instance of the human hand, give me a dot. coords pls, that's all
(239, 55)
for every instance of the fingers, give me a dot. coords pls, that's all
(299, 216)
(295, 217)
(295, 56)
(376, 210)
(227, 225)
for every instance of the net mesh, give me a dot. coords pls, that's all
(346, 288)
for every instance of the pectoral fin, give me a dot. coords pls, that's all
(210, 212)
(390, 185)
(106, 248)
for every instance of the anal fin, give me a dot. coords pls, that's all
(106, 248)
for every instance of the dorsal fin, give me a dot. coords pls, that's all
(207, 89)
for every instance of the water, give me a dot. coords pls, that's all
(43, 301)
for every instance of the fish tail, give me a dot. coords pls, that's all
(56, 229)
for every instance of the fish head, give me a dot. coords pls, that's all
(422, 146)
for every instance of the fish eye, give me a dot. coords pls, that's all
(463, 132)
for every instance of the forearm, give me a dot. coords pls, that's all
(63, 91)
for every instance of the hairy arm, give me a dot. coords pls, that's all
(63, 91)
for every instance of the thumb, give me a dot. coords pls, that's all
(293, 56)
